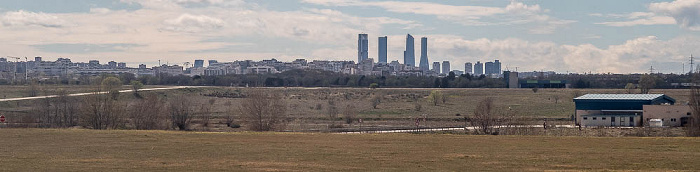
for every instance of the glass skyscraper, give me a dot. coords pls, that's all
(409, 56)
(362, 47)
(382, 49)
(424, 66)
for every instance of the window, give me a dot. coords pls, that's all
(673, 119)
(595, 118)
(603, 118)
(688, 114)
(585, 118)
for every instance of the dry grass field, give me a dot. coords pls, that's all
(307, 108)
(131, 150)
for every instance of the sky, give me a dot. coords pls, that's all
(598, 36)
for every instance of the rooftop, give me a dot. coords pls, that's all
(620, 97)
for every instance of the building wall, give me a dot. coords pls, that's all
(671, 115)
(611, 121)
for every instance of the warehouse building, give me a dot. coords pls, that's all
(627, 110)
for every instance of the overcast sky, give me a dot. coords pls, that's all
(597, 36)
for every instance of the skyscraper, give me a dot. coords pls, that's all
(424, 66)
(489, 68)
(445, 67)
(436, 67)
(382, 49)
(478, 68)
(468, 68)
(493, 67)
(362, 47)
(409, 56)
(497, 69)
(198, 63)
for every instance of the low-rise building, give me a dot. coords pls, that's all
(617, 110)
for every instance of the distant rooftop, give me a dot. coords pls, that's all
(622, 97)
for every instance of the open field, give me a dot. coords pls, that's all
(308, 108)
(128, 150)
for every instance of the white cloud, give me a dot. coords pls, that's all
(193, 23)
(25, 18)
(685, 12)
(513, 13)
(634, 55)
(653, 20)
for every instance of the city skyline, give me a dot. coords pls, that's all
(617, 37)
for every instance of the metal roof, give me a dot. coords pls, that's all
(619, 97)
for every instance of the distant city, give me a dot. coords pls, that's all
(62, 67)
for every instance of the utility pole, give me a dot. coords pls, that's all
(691, 63)
(26, 61)
(651, 69)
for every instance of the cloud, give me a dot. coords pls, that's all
(513, 13)
(653, 20)
(635, 55)
(685, 12)
(25, 18)
(193, 23)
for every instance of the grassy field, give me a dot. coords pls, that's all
(307, 108)
(129, 150)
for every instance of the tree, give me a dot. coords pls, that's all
(694, 123)
(434, 97)
(147, 113)
(373, 85)
(102, 111)
(112, 84)
(263, 112)
(376, 100)
(646, 83)
(349, 113)
(181, 112)
(332, 110)
(630, 88)
(135, 87)
(535, 89)
(486, 119)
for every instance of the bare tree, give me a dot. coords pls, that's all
(486, 119)
(376, 100)
(101, 111)
(205, 113)
(147, 113)
(229, 114)
(332, 110)
(646, 83)
(630, 88)
(181, 112)
(694, 127)
(349, 113)
(263, 112)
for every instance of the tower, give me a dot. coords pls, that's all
(445, 67)
(468, 68)
(362, 47)
(478, 68)
(436, 67)
(423, 65)
(382, 50)
(409, 56)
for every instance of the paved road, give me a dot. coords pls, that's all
(90, 93)
(449, 129)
